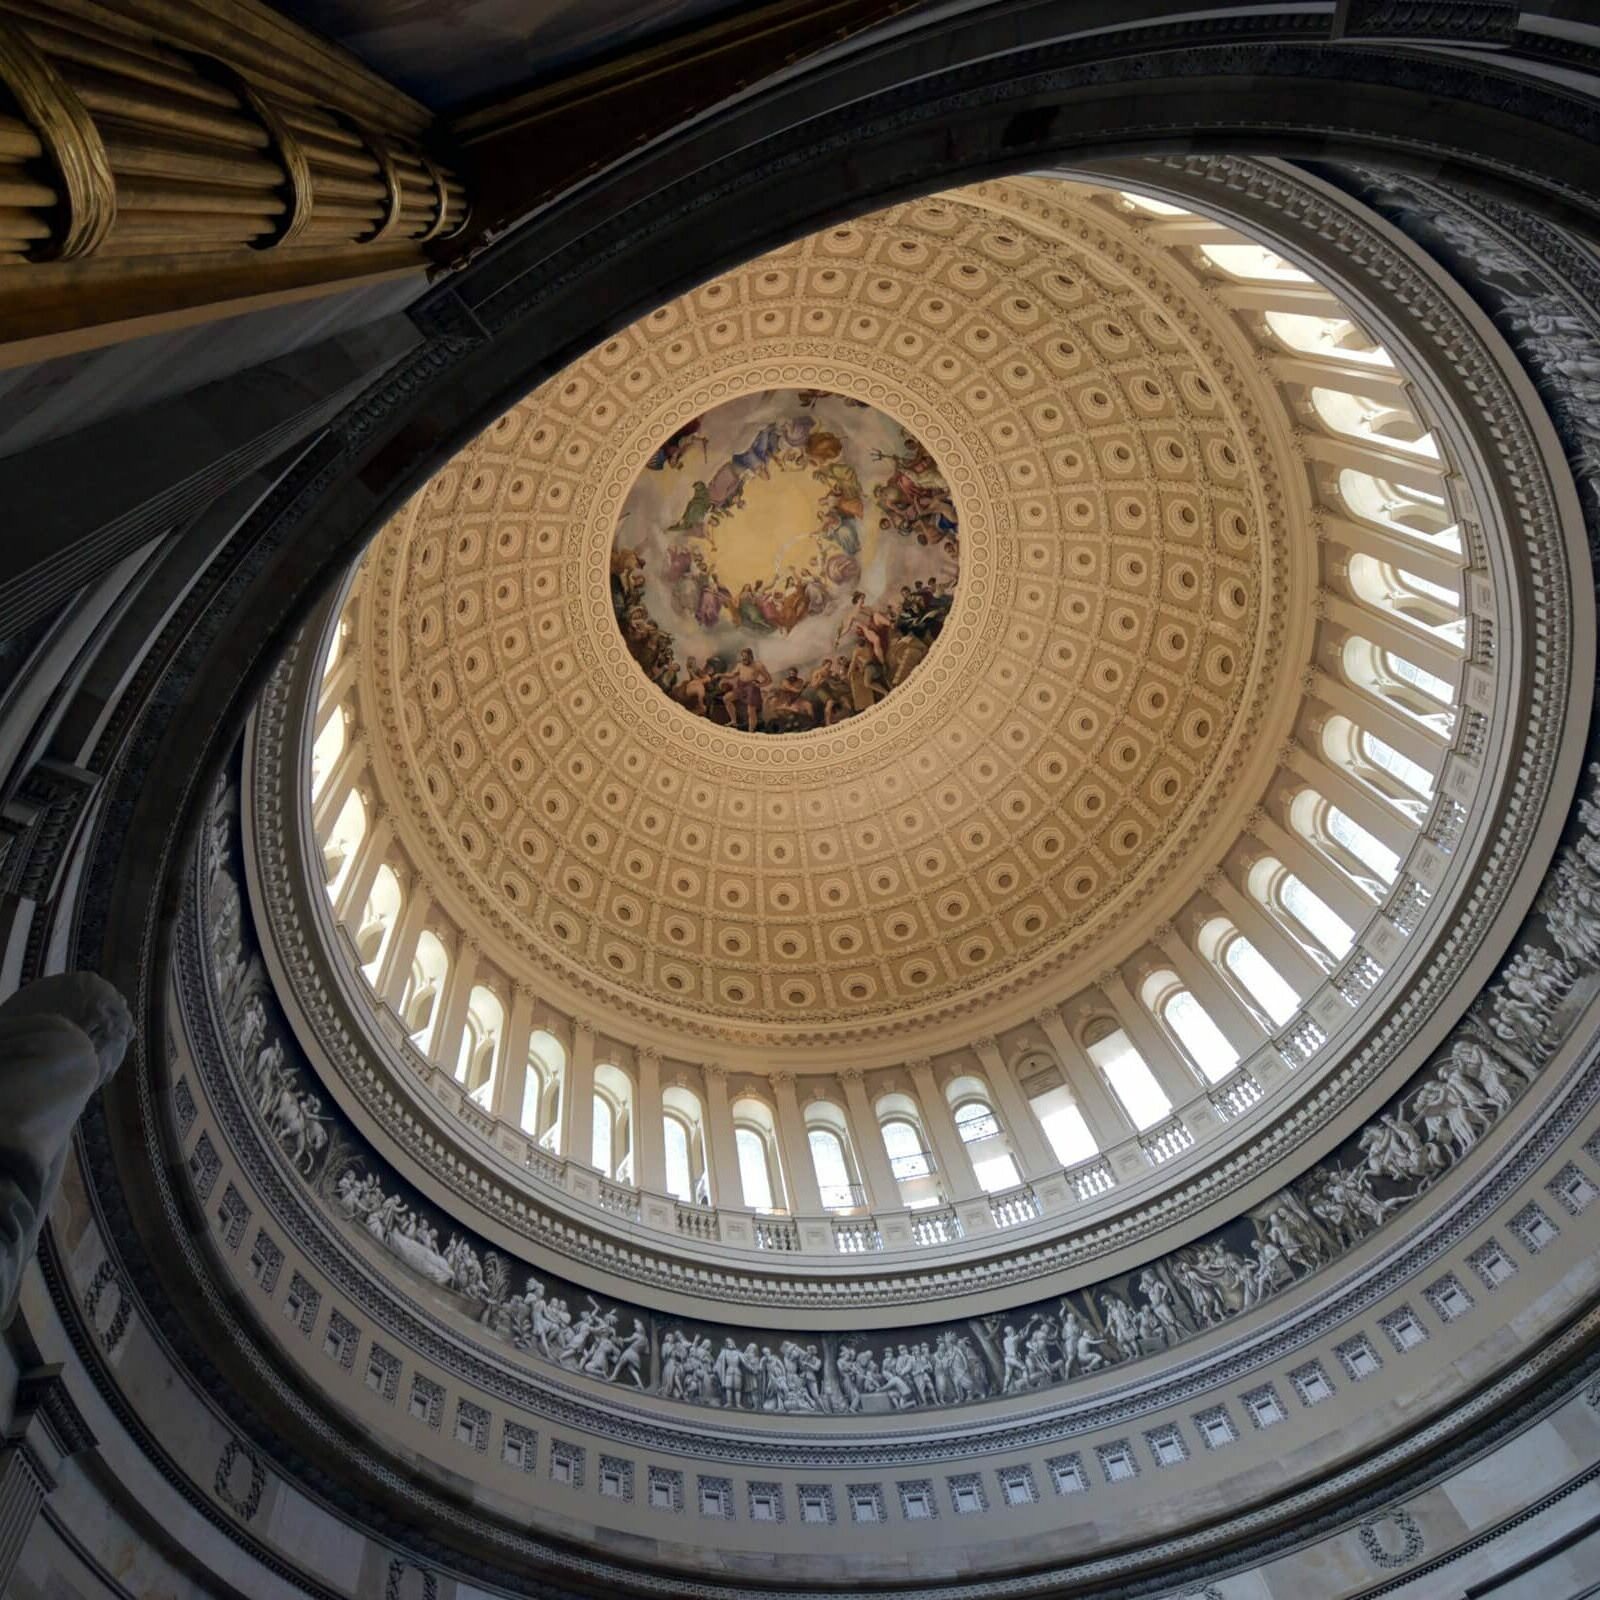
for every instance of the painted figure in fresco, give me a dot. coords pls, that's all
(671, 454)
(745, 686)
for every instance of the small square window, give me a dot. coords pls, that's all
(919, 1506)
(660, 1494)
(967, 1499)
(1358, 1358)
(514, 1452)
(1116, 1461)
(1572, 1189)
(1492, 1264)
(1067, 1474)
(1534, 1228)
(1018, 1488)
(1216, 1428)
(1404, 1328)
(813, 1507)
(1448, 1298)
(1311, 1383)
(763, 1508)
(1166, 1445)
(611, 1483)
(866, 1502)
(1264, 1407)
(561, 1469)
(716, 1497)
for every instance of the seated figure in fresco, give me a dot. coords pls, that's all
(787, 705)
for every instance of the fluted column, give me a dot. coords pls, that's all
(1102, 1111)
(577, 1096)
(649, 1137)
(955, 1167)
(1238, 1026)
(444, 1044)
(1294, 966)
(800, 1172)
(1179, 1081)
(1034, 1156)
(395, 972)
(872, 1159)
(342, 778)
(721, 1151)
(358, 881)
(46, 1429)
(512, 1078)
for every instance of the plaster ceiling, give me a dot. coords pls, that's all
(1063, 768)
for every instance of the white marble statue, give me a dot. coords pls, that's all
(60, 1039)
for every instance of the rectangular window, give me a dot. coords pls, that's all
(1573, 1189)
(966, 1500)
(561, 1469)
(763, 1508)
(864, 1508)
(1132, 1081)
(611, 1483)
(1066, 1473)
(1019, 1492)
(514, 1452)
(1265, 1408)
(1167, 1448)
(1406, 1331)
(813, 1508)
(710, 1502)
(1118, 1463)
(1216, 1430)
(919, 1505)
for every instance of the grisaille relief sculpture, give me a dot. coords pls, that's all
(1542, 988)
(60, 1039)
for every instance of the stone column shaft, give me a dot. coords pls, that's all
(1238, 1026)
(444, 1044)
(1179, 1081)
(1101, 1109)
(336, 787)
(1295, 967)
(722, 1153)
(800, 1171)
(577, 1097)
(356, 889)
(506, 1102)
(649, 1137)
(1034, 1156)
(395, 971)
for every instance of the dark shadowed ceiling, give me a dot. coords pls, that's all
(449, 53)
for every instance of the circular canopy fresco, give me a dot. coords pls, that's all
(785, 561)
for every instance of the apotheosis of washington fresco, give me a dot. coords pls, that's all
(785, 561)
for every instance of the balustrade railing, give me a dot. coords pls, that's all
(1236, 1094)
(1164, 1143)
(698, 1222)
(619, 1201)
(776, 1233)
(856, 1238)
(1092, 1178)
(1014, 1207)
(940, 1226)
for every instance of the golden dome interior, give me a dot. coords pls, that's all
(1066, 765)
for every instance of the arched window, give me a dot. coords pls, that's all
(1313, 914)
(1130, 1078)
(680, 1174)
(378, 919)
(604, 1114)
(327, 749)
(1331, 335)
(1396, 763)
(541, 1088)
(1363, 857)
(613, 1086)
(344, 839)
(1063, 1124)
(1358, 416)
(975, 1120)
(1189, 1024)
(1412, 513)
(1400, 782)
(1259, 979)
(833, 1171)
(1416, 600)
(419, 1005)
(1398, 682)
(755, 1170)
(1253, 262)
(907, 1157)
(478, 1058)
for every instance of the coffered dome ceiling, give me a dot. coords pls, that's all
(1051, 780)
